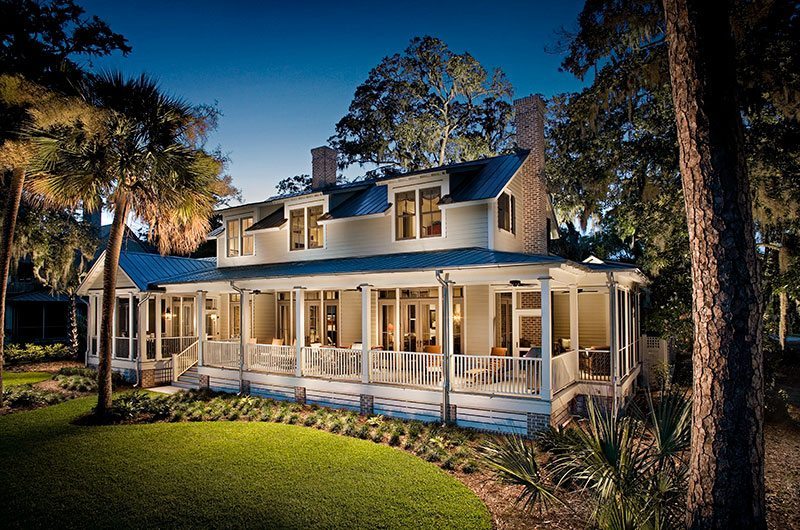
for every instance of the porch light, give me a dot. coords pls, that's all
(168, 314)
(214, 316)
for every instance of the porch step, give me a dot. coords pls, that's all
(190, 379)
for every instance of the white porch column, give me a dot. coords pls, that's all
(98, 299)
(547, 342)
(114, 328)
(200, 303)
(574, 333)
(397, 345)
(244, 327)
(90, 326)
(131, 329)
(141, 332)
(299, 332)
(366, 312)
(158, 319)
(613, 338)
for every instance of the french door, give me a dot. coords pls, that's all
(419, 324)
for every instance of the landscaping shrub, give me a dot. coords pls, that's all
(449, 447)
(77, 383)
(26, 396)
(117, 380)
(35, 353)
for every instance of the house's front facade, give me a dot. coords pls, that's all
(427, 295)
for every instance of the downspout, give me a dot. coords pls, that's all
(139, 335)
(241, 336)
(444, 281)
(614, 346)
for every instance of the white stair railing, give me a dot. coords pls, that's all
(184, 360)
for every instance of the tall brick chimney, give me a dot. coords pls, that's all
(323, 167)
(529, 115)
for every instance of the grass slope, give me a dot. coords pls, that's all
(24, 378)
(231, 474)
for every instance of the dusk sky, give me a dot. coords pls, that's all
(283, 73)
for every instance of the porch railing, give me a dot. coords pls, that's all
(406, 368)
(184, 360)
(122, 348)
(221, 354)
(594, 365)
(487, 374)
(174, 345)
(565, 369)
(271, 359)
(332, 363)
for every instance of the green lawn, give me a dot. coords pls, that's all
(232, 474)
(24, 378)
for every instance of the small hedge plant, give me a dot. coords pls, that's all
(35, 353)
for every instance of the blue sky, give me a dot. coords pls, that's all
(283, 73)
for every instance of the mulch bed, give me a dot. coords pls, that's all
(49, 366)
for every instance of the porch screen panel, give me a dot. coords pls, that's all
(530, 334)
(405, 206)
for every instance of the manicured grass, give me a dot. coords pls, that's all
(233, 474)
(24, 378)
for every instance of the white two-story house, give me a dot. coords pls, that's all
(426, 295)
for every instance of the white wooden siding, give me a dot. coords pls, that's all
(264, 318)
(560, 316)
(350, 318)
(507, 241)
(593, 319)
(464, 227)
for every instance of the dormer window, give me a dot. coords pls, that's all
(408, 204)
(239, 242)
(507, 213)
(430, 215)
(305, 230)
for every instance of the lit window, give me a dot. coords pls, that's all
(405, 206)
(233, 238)
(247, 239)
(314, 230)
(430, 214)
(297, 225)
(507, 213)
(239, 243)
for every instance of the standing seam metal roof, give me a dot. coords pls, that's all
(143, 269)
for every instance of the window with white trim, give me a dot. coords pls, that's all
(507, 213)
(417, 213)
(305, 232)
(238, 242)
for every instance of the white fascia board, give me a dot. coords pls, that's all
(357, 217)
(465, 203)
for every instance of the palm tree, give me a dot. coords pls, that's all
(632, 464)
(23, 105)
(145, 158)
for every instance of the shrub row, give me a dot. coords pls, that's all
(449, 447)
(35, 353)
(28, 397)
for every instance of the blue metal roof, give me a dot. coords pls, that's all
(370, 201)
(273, 220)
(217, 231)
(484, 179)
(144, 269)
(407, 261)
(43, 297)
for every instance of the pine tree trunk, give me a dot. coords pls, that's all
(726, 481)
(73, 324)
(783, 296)
(9, 223)
(110, 267)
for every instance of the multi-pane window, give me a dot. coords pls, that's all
(314, 229)
(236, 316)
(233, 237)
(297, 226)
(430, 215)
(239, 243)
(507, 213)
(305, 230)
(405, 206)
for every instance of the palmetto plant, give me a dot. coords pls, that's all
(632, 463)
(144, 157)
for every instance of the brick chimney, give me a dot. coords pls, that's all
(529, 115)
(323, 167)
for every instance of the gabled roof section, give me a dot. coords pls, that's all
(216, 232)
(144, 269)
(407, 261)
(481, 179)
(370, 201)
(274, 220)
